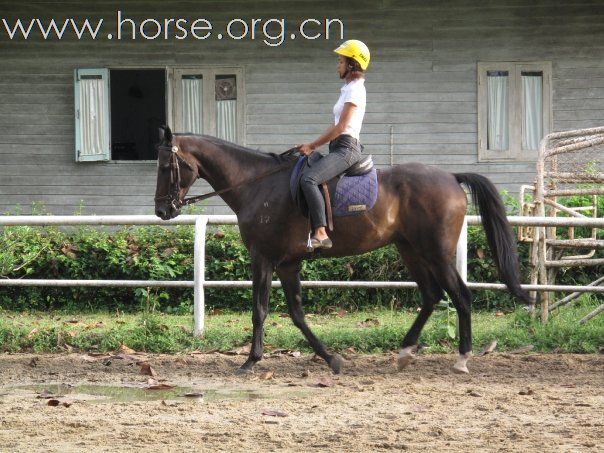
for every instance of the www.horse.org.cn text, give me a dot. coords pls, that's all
(271, 31)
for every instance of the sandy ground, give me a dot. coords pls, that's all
(525, 402)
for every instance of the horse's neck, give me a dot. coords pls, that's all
(225, 167)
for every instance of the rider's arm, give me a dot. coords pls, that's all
(332, 132)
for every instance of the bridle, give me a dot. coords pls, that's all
(173, 198)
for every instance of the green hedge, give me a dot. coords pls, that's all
(166, 253)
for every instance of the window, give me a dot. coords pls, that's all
(208, 101)
(118, 111)
(514, 109)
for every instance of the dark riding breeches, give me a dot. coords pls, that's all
(344, 151)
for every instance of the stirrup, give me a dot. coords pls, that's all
(320, 244)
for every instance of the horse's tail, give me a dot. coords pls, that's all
(498, 231)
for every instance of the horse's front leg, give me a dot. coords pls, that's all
(262, 272)
(289, 274)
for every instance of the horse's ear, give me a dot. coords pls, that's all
(165, 134)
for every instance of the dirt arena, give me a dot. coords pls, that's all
(510, 402)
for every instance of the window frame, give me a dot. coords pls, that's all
(104, 75)
(209, 100)
(515, 109)
(172, 96)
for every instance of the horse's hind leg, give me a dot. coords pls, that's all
(431, 293)
(289, 274)
(448, 277)
(262, 271)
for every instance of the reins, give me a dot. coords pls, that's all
(175, 178)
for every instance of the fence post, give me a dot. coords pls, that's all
(461, 256)
(199, 271)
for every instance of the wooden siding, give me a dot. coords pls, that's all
(421, 85)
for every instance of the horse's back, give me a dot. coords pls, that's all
(432, 204)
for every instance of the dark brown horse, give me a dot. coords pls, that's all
(419, 208)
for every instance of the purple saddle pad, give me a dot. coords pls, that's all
(355, 194)
(352, 195)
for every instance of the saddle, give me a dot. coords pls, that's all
(353, 192)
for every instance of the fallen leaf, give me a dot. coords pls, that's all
(350, 350)
(46, 394)
(488, 348)
(266, 376)
(181, 360)
(480, 253)
(243, 350)
(274, 413)
(473, 393)
(147, 370)
(193, 395)
(500, 313)
(160, 387)
(341, 313)
(126, 350)
(126, 357)
(32, 333)
(89, 359)
(68, 250)
(369, 322)
(523, 349)
(325, 381)
(53, 402)
(283, 315)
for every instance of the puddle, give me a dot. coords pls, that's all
(126, 393)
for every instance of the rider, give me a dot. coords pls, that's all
(343, 135)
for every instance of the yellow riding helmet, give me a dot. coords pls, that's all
(355, 49)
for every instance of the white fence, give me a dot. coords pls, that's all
(199, 282)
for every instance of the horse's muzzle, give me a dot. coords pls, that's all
(166, 213)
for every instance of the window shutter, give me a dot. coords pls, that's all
(92, 115)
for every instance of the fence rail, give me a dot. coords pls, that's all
(199, 283)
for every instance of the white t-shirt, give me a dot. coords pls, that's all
(353, 92)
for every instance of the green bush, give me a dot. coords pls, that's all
(166, 253)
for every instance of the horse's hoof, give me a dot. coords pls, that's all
(405, 357)
(460, 366)
(459, 369)
(243, 371)
(335, 363)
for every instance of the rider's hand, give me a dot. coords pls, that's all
(306, 149)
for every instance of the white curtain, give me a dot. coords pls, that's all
(93, 112)
(497, 111)
(192, 104)
(532, 123)
(226, 120)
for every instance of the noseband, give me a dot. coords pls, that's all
(172, 196)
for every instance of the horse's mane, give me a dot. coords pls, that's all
(278, 158)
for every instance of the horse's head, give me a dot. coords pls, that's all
(175, 174)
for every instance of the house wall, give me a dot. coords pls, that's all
(421, 85)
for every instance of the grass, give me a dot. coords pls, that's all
(367, 331)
